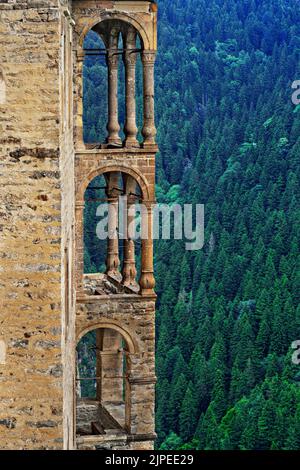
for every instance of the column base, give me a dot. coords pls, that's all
(150, 146)
(130, 285)
(116, 275)
(148, 293)
(113, 142)
(132, 144)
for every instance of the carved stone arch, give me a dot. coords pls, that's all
(102, 16)
(140, 179)
(113, 325)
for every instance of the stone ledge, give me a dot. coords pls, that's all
(141, 437)
(115, 151)
(142, 380)
(94, 299)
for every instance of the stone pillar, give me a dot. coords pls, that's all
(109, 366)
(142, 399)
(129, 270)
(147, 281)
(148, 131)
(112, 258)
(112, 60)
(79, 103)
(78, 383)
(79, 259)
(129, 58)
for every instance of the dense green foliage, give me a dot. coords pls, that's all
(229, 138)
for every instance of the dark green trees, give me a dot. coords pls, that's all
(229, 138)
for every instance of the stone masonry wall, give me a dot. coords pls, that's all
(32, 176)
(37, 267)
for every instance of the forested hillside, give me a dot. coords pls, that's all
(229, 138)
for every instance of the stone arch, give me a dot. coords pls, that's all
(114, 398)
(140, 179)
(131, 343)
(115, 16)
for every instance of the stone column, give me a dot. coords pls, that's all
(129, 270)
(79, 100)
(79, 259)
(148, 131)
(147, 281)
(78, 383)
(129, 58)
(109, 366)
(112, 258)
(112, 60)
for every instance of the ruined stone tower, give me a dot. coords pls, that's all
(48, 302)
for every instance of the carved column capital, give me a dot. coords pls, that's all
(148, 58)
(112, 59)
(129, 58)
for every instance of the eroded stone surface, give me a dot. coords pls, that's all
(39, 57)
(37, 210)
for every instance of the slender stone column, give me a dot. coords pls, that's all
(112, 259)
(129, 58)
(79, 100)
(147, 281)
(112, 60)
(78, 383)
(148, 131)
(109, 365)
(79, 214)
(129, 270)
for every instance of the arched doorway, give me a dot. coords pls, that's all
(103, 390)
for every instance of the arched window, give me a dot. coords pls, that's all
(103, 368)
(94, 90)
(112, 214)
(118, 81)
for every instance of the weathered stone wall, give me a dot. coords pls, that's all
(133, 317)
(35, 202)
(37, 248)
(87, 411)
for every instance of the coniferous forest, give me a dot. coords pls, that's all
(229, 138)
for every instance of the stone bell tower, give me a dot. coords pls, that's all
(49, 304)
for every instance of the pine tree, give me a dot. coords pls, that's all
(188, 413)
(176, 398)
